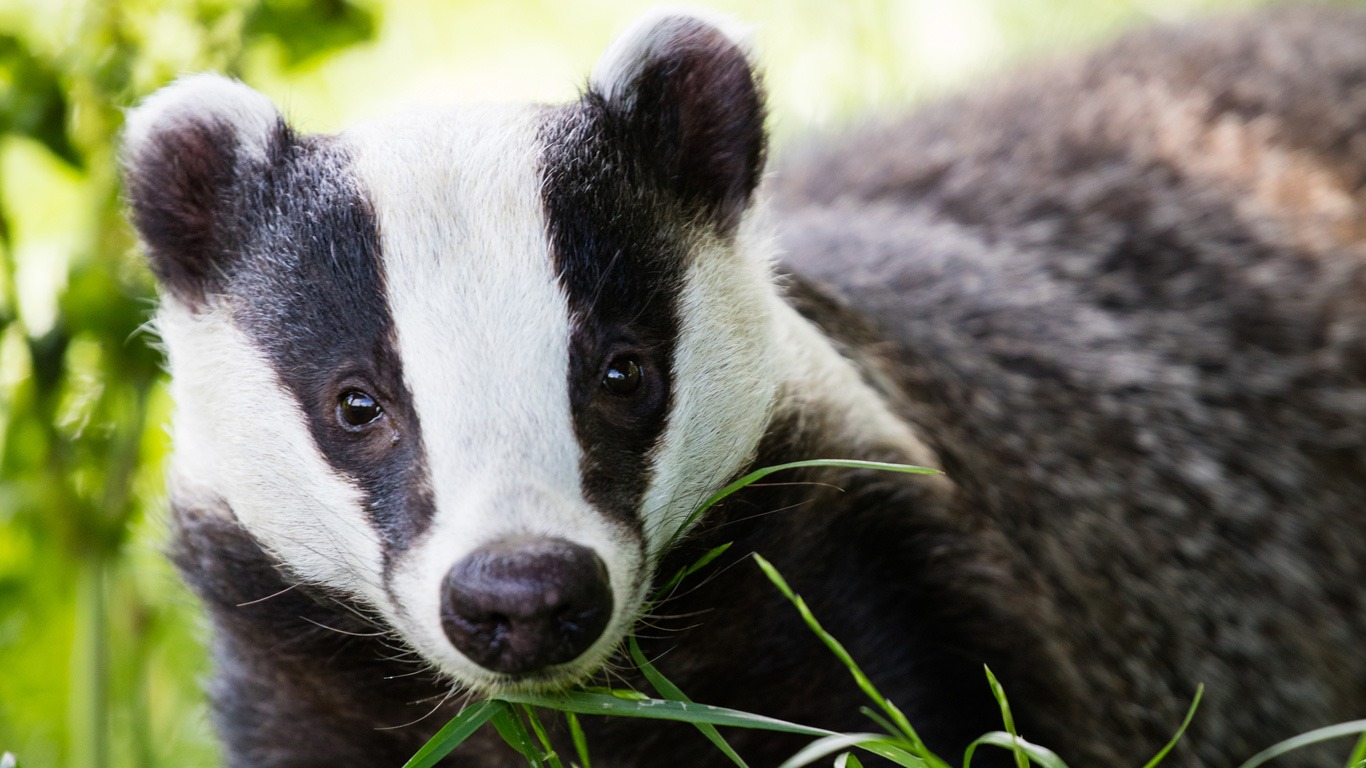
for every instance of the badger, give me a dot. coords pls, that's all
(450, 384)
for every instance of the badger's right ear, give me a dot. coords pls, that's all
(186, 151)
(681, 82)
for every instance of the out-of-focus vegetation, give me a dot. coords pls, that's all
(101, 659)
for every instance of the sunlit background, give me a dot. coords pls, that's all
(101, 659)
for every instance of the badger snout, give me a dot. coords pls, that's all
(521, 605)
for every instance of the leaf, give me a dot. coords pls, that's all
(893, 713)
(881, 721)
(667, 689)
(33, 100)
(847, 760)
(1358, 756)
(997, 691)
(759, 474)
(620, 693)
(1190, 713)
(1351, 728)
(549, 754)
(580, 741)
(515, 735)
(308, 28)
(874, 742)
(694, 568)
(585, 703)
(1001, 739)
(454, 733)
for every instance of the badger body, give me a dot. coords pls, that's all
(450, 384)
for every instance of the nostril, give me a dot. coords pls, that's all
(520, 605)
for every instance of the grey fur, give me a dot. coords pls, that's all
(1125, 300)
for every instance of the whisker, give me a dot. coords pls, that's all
(267, 597)
(342, 631)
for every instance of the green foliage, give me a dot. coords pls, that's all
(898, 743)
(1328, 733)
(99, 659)
(305, 29)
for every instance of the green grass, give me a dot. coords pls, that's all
(516, 717)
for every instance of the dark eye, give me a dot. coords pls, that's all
(356, 409)
(622, 376)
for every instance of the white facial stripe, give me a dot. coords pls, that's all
(724, 383)
(483, 332)
(240, 435)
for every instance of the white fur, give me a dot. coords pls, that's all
(646, 40)
(724, 383)
(743, 352)
(239, 435)
(197, 98)
(818, 379)
(483, 332)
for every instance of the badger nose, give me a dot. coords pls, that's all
(520, 605)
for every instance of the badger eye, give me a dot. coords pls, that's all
(356, 409)
(622, 376)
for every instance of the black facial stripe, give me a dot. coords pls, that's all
(619, 252)
(309, 289)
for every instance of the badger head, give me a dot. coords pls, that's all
(473, 368)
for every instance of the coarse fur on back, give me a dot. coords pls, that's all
(450, 383)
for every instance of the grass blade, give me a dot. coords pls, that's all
(847, 760)
(453, 733)
(690, 570)
(657, 709)
(881, 721)
(580, 741)
(1190, 713)
(1305, 739)
(893, 713)
(1036, 753)
(515, 735)
(549, 755)
(668, 690)
(874, 742)
(1021, 761)
(760, 474)
(1358, 757)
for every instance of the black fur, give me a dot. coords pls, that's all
(290, 245)
(694, 117)
(181, 186)
(315, 271)
(620, 259)
(626, 177)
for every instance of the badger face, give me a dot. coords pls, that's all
(474, 368)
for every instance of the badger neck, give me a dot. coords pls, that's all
(835, 399)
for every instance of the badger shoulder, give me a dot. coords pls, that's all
(1122, 296)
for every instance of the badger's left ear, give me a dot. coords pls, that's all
(692, 107)
(188, 152)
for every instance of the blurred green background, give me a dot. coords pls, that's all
(101, 658)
